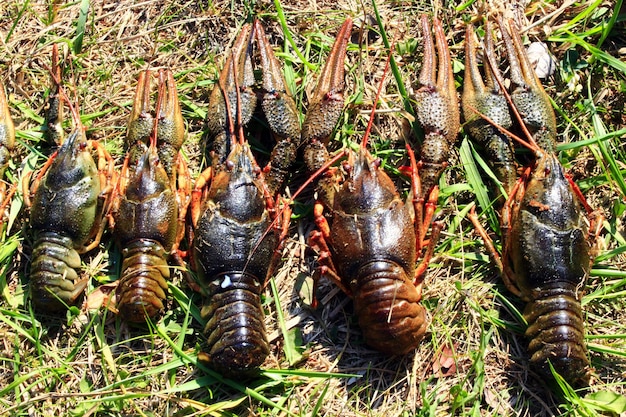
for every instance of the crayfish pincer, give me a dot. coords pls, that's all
(370, 244)
(549, 229)
(150, 202)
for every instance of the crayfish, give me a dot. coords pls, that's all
(548, 227)
(371, 247)
(7, 142)
(237, 237)
(150, 201)
(67, 215)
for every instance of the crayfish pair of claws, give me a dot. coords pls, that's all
(486, 108)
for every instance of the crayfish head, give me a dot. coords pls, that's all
(72, 163)
(368, 187)
(149, 178)
(237, 189)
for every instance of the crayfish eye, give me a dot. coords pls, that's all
(82, 146)
(230, 165)
(346, 167)
(377, 162)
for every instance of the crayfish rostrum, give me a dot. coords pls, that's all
(370, 244)
(548, 227)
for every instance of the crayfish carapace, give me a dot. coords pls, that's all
(372, 245)
(71, 195)
(548, 227)
(150, 200)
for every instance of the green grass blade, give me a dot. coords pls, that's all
(77, 45)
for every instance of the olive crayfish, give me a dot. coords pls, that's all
(371, 247)
(150, 200)
(548, 228)
(71, 195)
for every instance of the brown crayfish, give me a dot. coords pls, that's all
(374, 239)
(150, 201)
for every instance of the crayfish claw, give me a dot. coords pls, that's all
(7, 137)
(529, 97)
(436, 106)
(327, 101)
(171, 125)
(482, 100)
(141, 120)
(54, 107)
(223, 103)
(280, 111)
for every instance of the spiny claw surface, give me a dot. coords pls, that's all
(528, 94)
(237, 72)
(280, 111)
(486, 99)
(141, 121)
(171, 125)
(327, 102)
(436, 106)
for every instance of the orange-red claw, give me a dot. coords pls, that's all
(7, 142)
(332, 76)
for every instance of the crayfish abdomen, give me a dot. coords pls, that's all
(387, 305)
(556, 331)
(53, 271)
(143, 282)
(235, 328)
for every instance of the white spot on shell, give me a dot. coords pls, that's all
(226, 282)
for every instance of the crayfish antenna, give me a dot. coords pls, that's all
(378, 92)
